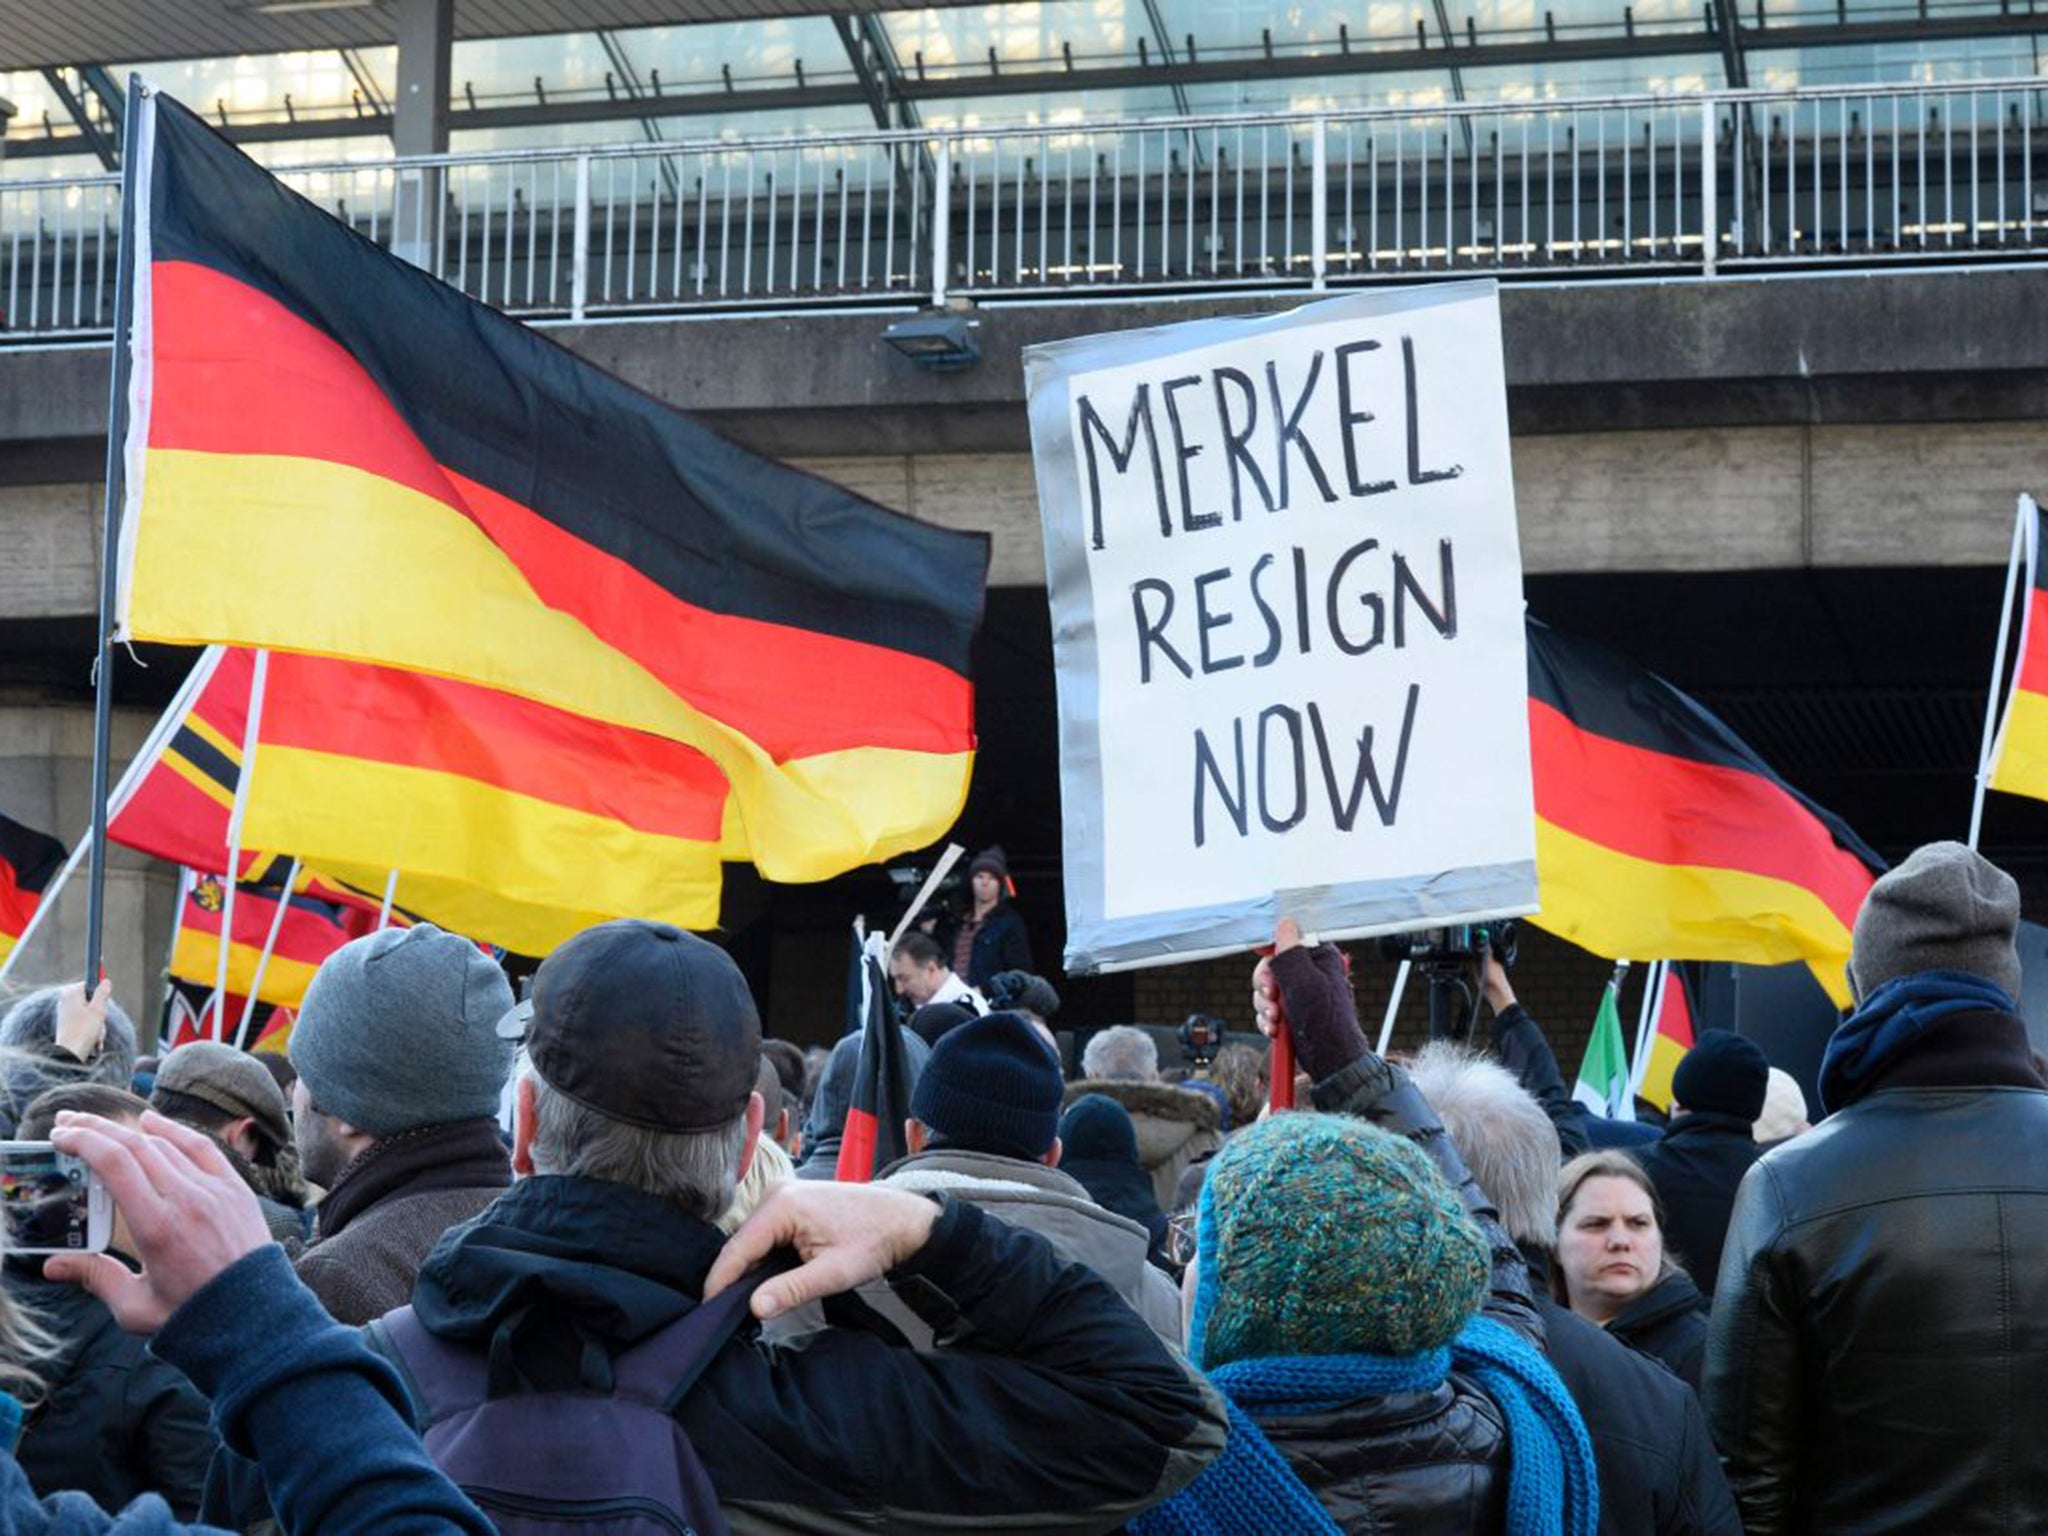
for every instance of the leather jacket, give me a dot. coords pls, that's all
(1877, 1358)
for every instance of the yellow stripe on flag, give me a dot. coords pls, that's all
(2022, 764)
(356, 811)
(1615, 904)
(486, 916)
(195, 957)
(363, 568)
(1665, 1055)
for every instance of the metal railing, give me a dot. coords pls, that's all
(1730, 180)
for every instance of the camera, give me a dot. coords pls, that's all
(1457, 946)
(1200, 1038)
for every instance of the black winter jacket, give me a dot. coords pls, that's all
(116, 1422)
(1658, 1472)
(1049, 1401)
(1003, 944)
(1697, 1165)
(1668, 1322)
(1879, 1350)
(1413, 1463)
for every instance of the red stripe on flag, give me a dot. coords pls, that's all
(1674, 1014)
(352, 709)
(2033, 667)
(1671, 811)
(287, 388)
(857, 1148)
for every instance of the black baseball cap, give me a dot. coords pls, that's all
(643, 1023)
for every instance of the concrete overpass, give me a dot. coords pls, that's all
(1790, 492)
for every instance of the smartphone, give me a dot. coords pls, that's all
(53, 1203)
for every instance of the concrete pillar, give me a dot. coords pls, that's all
(419, 124)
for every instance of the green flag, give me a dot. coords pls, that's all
(1603, 1076)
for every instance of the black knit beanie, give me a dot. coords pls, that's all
(992, 1085)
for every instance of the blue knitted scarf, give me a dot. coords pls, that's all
(1891, 1020)
(1250, 1490)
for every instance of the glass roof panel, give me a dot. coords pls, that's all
(1049, 109)
(1675, 75)
(1302, 26)
(815, 120)
(1324, 93)
(1932, 63)
(255, 86)
(759, 52)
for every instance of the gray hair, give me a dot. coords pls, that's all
(1121, 1053)
(31, 1024)
(1506, 1139)
(697, 1170)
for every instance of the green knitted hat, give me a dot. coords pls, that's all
(1323, 1235)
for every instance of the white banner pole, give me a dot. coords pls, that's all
(284, 905)
(1393, 1007)
(2023, 524)
(231, 877)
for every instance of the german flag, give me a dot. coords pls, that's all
(2019, 757)
(509, 821)
(1660, 833)
(29, 861)
(308, 933)
(1672, 1038)
(331, 452)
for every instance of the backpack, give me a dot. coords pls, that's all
(607, 1459)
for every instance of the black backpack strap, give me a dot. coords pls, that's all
(439, 1378)
(663, 1367)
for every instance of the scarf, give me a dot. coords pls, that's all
(1894, 1019)
(462, 1154)
(1553, 1489)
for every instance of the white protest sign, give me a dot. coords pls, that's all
(1287, 619)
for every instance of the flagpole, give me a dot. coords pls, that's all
(924, 892)
(251, 733)
(1647, 1037)
(1653, 985)
(390, 896)
(284, 905)
(110, 538)
(2022, 544)
(1393, 1007)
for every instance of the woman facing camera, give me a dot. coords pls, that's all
(1612, 1267)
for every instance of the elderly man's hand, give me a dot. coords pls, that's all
(845, 1234)
(189, 1212)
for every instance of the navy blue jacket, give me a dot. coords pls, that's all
(321, 1414)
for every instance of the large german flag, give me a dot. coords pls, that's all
(29, 861)
(328, 451)
(508, 821)
(2019, 757)
(307, 933)
(1659, 833)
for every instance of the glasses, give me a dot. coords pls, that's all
(1180, 1239)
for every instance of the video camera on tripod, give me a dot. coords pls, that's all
(1454, 959)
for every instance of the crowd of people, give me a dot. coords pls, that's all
(582, 1261)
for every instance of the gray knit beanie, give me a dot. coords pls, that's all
(1947, 908)
(399, 1031)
